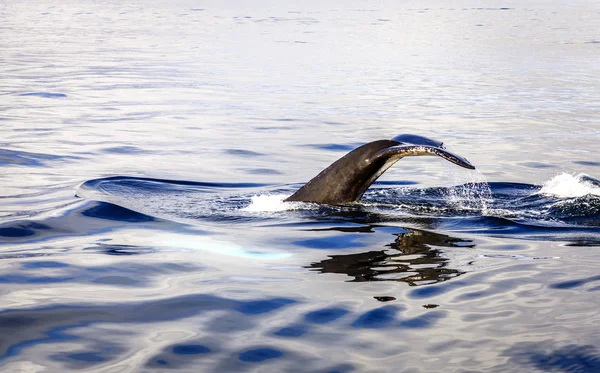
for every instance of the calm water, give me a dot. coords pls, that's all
(146, 148)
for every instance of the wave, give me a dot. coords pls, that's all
(565, 201)
(569, 186)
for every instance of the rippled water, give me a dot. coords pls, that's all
(146, 149)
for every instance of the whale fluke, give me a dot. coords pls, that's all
(347, 179)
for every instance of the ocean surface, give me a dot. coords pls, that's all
(147, 147)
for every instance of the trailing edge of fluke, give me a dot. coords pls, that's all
(347, 179)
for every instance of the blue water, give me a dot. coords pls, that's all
(146, 149)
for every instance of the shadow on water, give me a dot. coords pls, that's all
(414, 258)
(24, 229)
(21, 158)
(220, 323)
(117, 213)
(547, 357)
(25, 328)
(92, 218)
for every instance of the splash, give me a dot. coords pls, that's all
(270, 203)
(471, 190)
(472, 195)
(569, 186)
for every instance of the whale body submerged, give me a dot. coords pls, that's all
(347, 179)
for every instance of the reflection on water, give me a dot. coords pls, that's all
(414, 258)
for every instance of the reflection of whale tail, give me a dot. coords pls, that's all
(415, 259)
(348, 178)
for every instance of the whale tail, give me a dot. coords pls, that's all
(347, 179)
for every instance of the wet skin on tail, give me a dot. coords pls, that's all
(347, 179)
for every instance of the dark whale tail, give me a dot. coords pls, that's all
(347, 179)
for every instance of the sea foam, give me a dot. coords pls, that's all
(570, 186)
(269, 203)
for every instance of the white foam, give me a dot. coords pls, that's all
(569, 186)
(270, 203)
